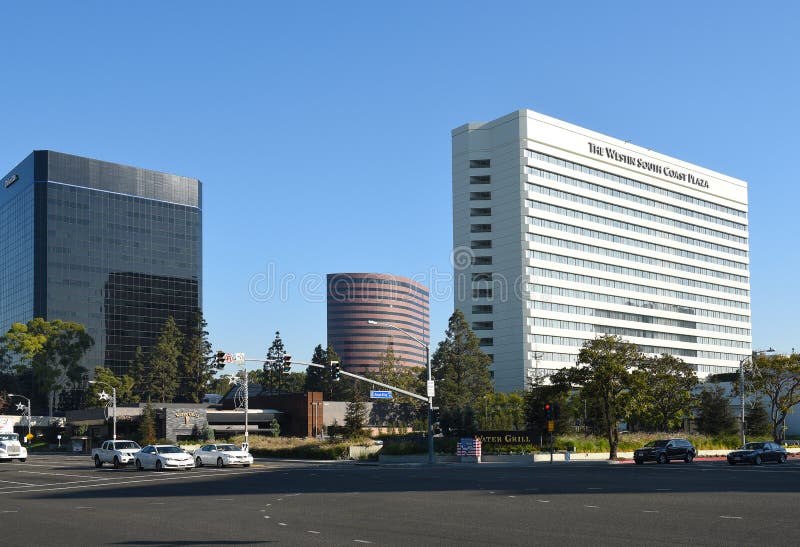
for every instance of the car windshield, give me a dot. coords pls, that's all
(753, 446)
(9, 437)
(127, 445)
(654, 444)
(227, 447)
(169, 450)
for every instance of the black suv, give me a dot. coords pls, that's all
(664, 450)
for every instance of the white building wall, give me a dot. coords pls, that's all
(592, 235)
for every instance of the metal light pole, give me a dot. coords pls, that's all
(103, 397)
(429, 385)
(27, 409)
(741, 387)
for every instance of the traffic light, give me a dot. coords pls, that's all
(335, 371)
(287, 364)
(219, 359)
(548, 411)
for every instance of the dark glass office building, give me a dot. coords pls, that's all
(113, 247)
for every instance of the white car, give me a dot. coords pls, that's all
(161, 457)
(222, 455)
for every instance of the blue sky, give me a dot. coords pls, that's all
(321, 130)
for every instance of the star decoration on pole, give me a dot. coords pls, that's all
(104, 396)
(21, 406)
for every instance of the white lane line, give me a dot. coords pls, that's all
(281, 524)
(56, 474)
(15, 482)
(593, 506)
(266, 516)
(312, 531)
(729, 517)
(156, 503)
(136, 481)
(649, 511)
(83, 507)
(224, 499)
(9, 511)
(512, 496)
(543, 501)
(361, 541)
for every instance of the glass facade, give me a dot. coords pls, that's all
(115, 248)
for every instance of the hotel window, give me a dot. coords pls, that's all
(482, 309)
(482, 212)
(482, 276)
(481, 260)
(480, 196)
(480, 228)
(481, 293)
(486, 342)
(479, 163)
(480, 179)
(483, 325)
(481, 244)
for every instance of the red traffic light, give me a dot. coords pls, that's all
(547, 406)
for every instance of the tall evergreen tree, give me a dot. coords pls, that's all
(316, 378)
(147, 427)
(198, 367)
(459, 367)
(137, 369)
(355, 416)
(714, 416)
(165, 364)
(273, 367)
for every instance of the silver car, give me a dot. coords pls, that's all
(222, 455)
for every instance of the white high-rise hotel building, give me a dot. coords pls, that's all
(562, 234)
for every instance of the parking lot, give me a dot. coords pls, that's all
(65, 500)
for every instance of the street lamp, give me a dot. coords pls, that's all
(27, 409)
(429, 385)
(105, 397)
(741, 386)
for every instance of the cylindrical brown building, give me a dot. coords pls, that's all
(355, 299)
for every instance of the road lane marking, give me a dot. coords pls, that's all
(15, 482)
(57, 474)
(593, 506)
(312, 531)
(224, 499)
(729, 517)
(83, 507)
(9, 511)
(281, 524)
(543, 501)
(266, 516)
(649, 511)
(361, 541)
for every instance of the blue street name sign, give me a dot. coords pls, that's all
(380, 394)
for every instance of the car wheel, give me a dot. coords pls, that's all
(689, 457)
(23, 460)
(757, 460)
(97, 462)
(638, 462)
(159, 467)
(116, 463)
(662, 458)
(245, 465)
(198, 462)
(139, 466)
(220, 463)
(781, 458)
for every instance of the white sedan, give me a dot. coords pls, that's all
(161, 457)
(222, 455)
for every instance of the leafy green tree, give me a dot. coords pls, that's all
(198, 364)
(662, 392)
(105, 381)
(355, 416)
(318, 379)
(502, 411)
(714, 415)
(757, 422)
(603, 374)
(391, 371)
(776, 377)
(165, 364)
(147, 427)
(53, 351)
(459, 367)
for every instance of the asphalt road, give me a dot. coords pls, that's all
(64, 500)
